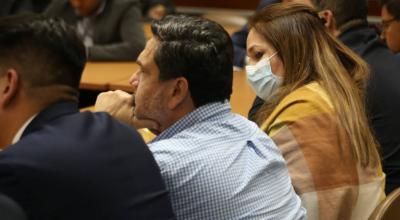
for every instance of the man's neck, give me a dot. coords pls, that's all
(176, 114)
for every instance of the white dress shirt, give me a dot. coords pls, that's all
(19, 133)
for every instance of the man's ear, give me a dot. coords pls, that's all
(8, 87)
(179, 92)
(329, 20)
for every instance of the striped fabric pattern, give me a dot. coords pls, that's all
(219, 165)
(324, 172)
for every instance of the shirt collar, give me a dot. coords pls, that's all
(22, 129)
(215, 110)
(101, 8)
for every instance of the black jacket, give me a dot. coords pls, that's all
(383, 96)
(70, 165)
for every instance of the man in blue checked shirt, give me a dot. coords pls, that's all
(216, 164)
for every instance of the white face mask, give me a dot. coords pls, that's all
(261, 78)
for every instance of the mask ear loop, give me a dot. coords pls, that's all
(269, 58)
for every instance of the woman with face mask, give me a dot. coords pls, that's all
(313, 89)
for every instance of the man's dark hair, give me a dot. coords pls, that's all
(44, 51)
(344, 11)
(198, 50)
(393, 7)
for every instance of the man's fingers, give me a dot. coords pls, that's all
(117, 103)
(106, 100)
(127, 97)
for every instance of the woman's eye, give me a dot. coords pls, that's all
(258, 55)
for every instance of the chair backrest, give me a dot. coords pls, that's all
(10, 210)
(389, 208)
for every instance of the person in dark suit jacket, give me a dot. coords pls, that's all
(10, 7)
(56, 162)
(110, 29)
(390, 15)
(349, 24)
(10, 210)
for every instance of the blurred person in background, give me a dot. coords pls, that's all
(157, 9)
(11, 7)
(239, 38)
(111, 30)
(391, 24)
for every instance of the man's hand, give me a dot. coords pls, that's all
(120, 105)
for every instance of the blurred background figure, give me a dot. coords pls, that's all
(157, 9)
(391, 24)
(239, 38)
(9, 7)
(110, 29)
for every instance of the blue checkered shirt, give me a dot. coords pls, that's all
(218, 165)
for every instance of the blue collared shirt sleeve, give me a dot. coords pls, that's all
(219, 165)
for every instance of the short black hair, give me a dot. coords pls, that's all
(199, 50)
(393, 7)
(344, 10)
(44, 51)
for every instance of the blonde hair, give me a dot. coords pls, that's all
(309, 53)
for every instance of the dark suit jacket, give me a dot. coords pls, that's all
(71, 165)
(118, 30)
(383, 97)
(10, 7)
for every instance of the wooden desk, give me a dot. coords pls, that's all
(231, 29)
(99, 75)
(121, 85)
(147, 30)
(241, 100)
(242, 94)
